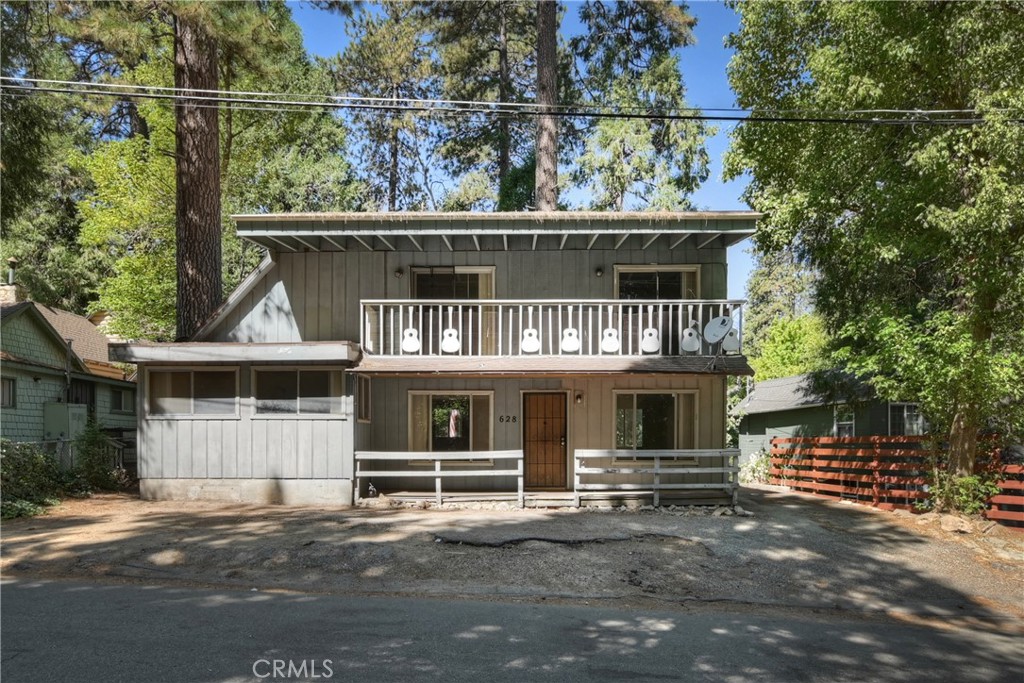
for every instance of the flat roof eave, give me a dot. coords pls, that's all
(339, 353)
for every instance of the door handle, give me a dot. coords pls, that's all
(561, 441)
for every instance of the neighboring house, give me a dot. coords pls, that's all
(55, 374)
(788, 407)
(405, 335)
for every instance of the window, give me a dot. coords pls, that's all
(297, 392)
(453, 283)
(193, 392)
(363, 398)
(450, 422)
(843, 421)
(905, 419)
(657, 282)
(7, 392)
(655, 421)
(122, 400)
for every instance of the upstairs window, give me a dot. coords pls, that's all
(657, 282)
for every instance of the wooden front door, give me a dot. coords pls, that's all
(544, 439)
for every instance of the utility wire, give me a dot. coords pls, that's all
(913, 117)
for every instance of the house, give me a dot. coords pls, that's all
(55, 375)
(567, 353)
(788, 406)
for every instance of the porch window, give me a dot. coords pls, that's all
(297, 392)
(655, 421)
(657, 282)
(905, 419)
(7, 392)
(844, 421)
(450, 422)
(193, 392)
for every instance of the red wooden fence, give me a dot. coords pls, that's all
(887, 472)
(1007, 507)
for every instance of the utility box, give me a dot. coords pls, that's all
(64, 420)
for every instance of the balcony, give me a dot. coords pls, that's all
(523, 328)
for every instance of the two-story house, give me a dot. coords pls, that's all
(503, 354)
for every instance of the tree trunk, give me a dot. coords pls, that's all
(963, 442)
(198, 228)
(504, 87)
(546, 179)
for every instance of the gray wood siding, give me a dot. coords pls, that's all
(248, 446)
(591, 425)
(315, 296)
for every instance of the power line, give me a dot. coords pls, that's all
(265, 102)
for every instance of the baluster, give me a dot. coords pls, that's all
(590, 330)
(430, 315)
(550, 327)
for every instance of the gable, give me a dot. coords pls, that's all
(29, 338)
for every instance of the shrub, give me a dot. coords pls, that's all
(30, 480)
(95, 460)
(968, 495)
(756, 470)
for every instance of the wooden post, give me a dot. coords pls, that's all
(437, 480)
(657, 480)
(355, 491)
(876, 485)
(576, 479)
(520, 496)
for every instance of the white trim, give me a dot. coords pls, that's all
(253, 370)
(657, 268)
(149, 415)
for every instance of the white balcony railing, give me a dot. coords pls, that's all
(535, 327)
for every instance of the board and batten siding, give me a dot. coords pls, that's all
(591, 425)
(247, 446)
(314, 296)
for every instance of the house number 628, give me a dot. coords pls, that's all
(508, 418)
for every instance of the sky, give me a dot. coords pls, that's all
(704, 71)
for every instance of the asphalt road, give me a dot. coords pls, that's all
(73, 631)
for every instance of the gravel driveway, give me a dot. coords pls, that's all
(794, 552)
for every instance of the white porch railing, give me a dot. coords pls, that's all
(653, 465)
(436, 472)
(537, 327)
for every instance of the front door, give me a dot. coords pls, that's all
(544, 438)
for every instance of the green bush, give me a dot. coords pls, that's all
(756, 470)
(31, 480)
(968, 495)
(95, 460)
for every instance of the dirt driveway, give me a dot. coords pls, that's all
(795, 552)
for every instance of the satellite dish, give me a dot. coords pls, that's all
(691, 340)
(716, 330)
(731, 341)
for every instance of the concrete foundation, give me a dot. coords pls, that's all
(265, 491)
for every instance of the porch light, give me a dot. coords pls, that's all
(579, 398)
(599, 272)
(399, 273)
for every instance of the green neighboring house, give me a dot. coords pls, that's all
(788, 407)
(54, 375)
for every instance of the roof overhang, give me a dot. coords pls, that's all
(537, 366)
(339, 353)
(500, 231)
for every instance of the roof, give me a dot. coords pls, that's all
(471, 231)
(552, 365)
(87, 341)
(785, 393)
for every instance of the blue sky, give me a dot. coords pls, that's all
(703, 70)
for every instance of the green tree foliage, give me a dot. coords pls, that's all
(486, 52)
(389, 56)
(916, 232)
(791, 346)
(778, 287)
(628, 61)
